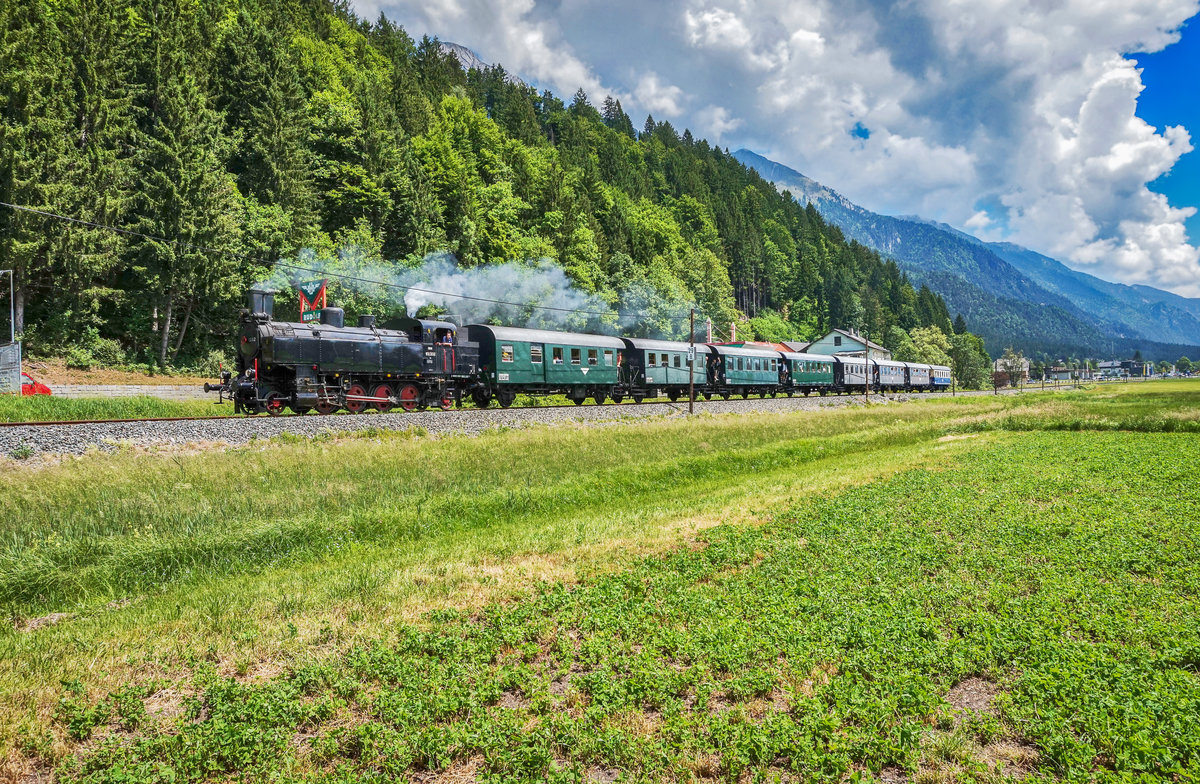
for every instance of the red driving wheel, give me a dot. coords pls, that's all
(354, 399)
(446, 401)
(274, 403)
(410, 396)
(383, 391)
(326, 406)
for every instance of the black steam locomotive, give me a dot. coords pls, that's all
(327, 366)
(416, 363)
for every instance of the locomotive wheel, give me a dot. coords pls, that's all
(599, 397)
(638, 398)
(301, 410)
(410, 397)
(356, 406)
(446, 401)
(618, 397)
(481, 399)
(274, 403)
(326, 407)
(383, 390)
(506, 398)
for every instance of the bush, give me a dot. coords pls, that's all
(107, 351)
(78, 358)
(211, 365)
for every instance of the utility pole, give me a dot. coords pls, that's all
(867, 367)
(692, 364)
(12, 306)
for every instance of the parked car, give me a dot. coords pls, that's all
(31, 387)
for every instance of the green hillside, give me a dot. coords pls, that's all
(247, 131)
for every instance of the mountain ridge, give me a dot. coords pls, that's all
(1057, 310)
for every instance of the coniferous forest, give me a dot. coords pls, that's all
(247, 131)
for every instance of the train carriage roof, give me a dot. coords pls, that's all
(742, 351)
(794, 355)
(661, 345)
(521, 335)
(918, 366)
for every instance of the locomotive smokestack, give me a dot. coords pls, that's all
(261, 301)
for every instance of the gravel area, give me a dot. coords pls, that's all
(26, 441)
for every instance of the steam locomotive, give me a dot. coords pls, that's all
(417, 363)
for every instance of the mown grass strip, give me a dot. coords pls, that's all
(42, 408)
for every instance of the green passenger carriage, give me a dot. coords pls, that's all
(806, 373)
(541, 362)
(654, 366)
(740, 370)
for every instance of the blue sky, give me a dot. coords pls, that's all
(1172, 97)
(1013, 120)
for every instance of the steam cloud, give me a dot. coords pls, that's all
(536, 294)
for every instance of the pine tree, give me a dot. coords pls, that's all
(186, 198)
(649, 126)
(33, 144)
(263, 107)
(960, 325)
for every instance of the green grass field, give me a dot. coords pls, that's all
(966, 590)
(47, 408)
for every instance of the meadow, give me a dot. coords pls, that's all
(969, 589)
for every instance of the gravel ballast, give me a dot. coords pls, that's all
(25, 441)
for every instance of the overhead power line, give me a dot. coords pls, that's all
(301, 268)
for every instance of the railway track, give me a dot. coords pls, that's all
(26, 439)
(431, 410)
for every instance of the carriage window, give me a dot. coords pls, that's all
(506, 354)
(837, 340)
(653, 359)
(576, 356)
(774, 366)
(758, 364)
(558, 355)
(593, 356)
(676, 360)
(608, 358)
(535, 355)
(663, 358)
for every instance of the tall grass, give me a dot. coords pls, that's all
(46, 408)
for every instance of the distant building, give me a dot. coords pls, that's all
(842, 342)
(1001, 366)
(1124, 368)
(1059, 373)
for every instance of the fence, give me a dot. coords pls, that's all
(10, 368)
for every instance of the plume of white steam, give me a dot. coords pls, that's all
(535, 294)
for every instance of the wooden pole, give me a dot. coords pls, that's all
(867, 367)
(692, 366)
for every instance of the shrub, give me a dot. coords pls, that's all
(79, 358)
(107, 351)
(211, 365)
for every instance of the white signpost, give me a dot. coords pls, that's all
(10, 352)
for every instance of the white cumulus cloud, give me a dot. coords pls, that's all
(1008, 118)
